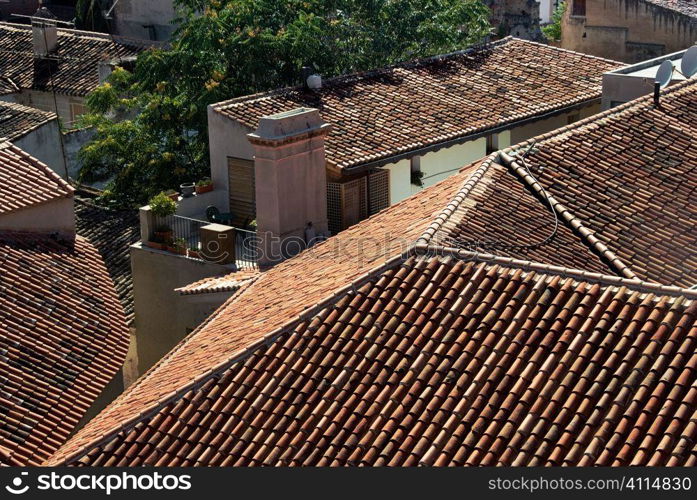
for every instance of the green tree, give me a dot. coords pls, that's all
(227, 49)
(552, 31)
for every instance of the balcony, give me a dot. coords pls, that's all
(189, 235)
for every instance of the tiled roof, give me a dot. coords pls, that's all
(112, 232)
(441, 361)
(26, 181)
(76, 70)
(629, 177)
(687, 7)
(498, 214)
(380, 114)
(270, 302)
(217, 284)
(7, 86)
(17, 121)
(63, 338)
(356, 352)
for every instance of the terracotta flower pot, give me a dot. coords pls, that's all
(204, 189)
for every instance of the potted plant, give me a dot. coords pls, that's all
(172, 194)
(163, 206)
(194, 252)
(180, 246)
(187, 189)
(205, 185)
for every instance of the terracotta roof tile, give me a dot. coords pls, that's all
(17, 121)
(380, 114)
(686, 7)
(316, 276)
(332, 390)
(26, 181)
(217, 284)
(76, 71)
(112, 232)
(629, 177)
(63, 338)
(356, 353)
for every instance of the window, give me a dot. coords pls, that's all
(578, 8)
(76, 109)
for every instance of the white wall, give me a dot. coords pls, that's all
(400, 180)
(525, 132)
(44, 144)
(226, 138)
(439, 165)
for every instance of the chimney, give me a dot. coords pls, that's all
(44, 33)
(291, 182)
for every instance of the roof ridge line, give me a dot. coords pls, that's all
(569, 51)
(570, 220)
(236, 356)
(635, 284)
(457, 200)
(357, 75)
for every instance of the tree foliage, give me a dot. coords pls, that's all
(227, 49)
(552, 31)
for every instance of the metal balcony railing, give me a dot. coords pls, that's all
(187, 230)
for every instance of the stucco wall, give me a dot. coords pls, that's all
(45, 102)
(627, 30)
(226, 138)
(162, 316)
(400, 180)
(445, 162)
(49, 217)
(525, 132)
(131, 17)
(44, 144)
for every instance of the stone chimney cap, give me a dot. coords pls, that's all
(44, 13)
(289, 125)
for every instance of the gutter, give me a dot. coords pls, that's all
(466, 138)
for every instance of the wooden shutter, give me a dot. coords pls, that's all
(242, 190)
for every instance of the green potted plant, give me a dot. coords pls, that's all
(180, 246)
(194, 252)
(205, 185)
(163, 206)
(172, 194)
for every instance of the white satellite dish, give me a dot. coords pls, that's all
(689, 62)
(664, 74)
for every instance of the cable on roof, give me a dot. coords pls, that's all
(498, 245)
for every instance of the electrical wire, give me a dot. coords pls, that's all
(498, 245)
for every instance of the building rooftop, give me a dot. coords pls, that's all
(74, 70)
(17, 121)
(63, 339)
(26, 181)
(445, 361)
(421, 104)
(112, 232)
(687, 7)
(395, 342)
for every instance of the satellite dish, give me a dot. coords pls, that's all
(664, 74)
(689, 62)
